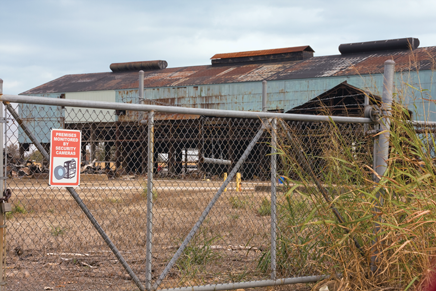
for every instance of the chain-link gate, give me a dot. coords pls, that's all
(166, 200)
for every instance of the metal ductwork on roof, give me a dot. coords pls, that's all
(137, 66)
(264, 56)
(380, 45)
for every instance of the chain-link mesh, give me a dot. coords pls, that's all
(51, 243)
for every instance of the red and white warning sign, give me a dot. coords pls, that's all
(65, 158)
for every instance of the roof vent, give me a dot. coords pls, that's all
(264, 56)
(136, 66)
(380, 45)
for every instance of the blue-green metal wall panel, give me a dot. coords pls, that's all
(414, 89)
(40, 119)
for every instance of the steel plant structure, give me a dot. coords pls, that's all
(297, 82)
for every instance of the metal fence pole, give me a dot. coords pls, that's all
(208, 208)
(150, 150)
(2, 215)
(273, 197)
(251, 284)
(381, 144)
(179, 110)
(141, 91)
(79, 201)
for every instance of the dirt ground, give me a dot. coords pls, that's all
(51, 245)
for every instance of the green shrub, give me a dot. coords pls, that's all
(264, 208)
(237, 203)
(16, 208)
(57, 231)
(145, 191)
(197, 253)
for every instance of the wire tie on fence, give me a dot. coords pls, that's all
(3, 283)
(3, 226)
(4, 178)
(374, 131)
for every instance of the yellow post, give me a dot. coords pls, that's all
(225, 178)
(238, 182)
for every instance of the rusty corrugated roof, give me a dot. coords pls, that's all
(316, 67)
(263, 52)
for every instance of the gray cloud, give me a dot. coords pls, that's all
(43, 40)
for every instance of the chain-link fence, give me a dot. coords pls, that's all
(173, 200)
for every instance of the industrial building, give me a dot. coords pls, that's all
(298, 82)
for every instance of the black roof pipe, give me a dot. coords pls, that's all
(380, 45)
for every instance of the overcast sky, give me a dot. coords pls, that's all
(46, 39)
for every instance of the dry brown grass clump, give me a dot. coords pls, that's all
(334, 219)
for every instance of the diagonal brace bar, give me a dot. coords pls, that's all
(208, 208)
(79, 202)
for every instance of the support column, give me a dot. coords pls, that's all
(186, 160)
(118, 147)
(179, 161)
(21, 150)
(107, 154)
(45, 161)
(93, 141)
(83, 152)
(230, 145)
(200, 147)
(171, 152)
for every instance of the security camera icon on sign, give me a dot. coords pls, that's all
(67, 171)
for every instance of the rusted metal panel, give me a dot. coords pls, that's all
(262, 52)
(316, 67)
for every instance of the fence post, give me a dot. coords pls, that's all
(2, 215)
(273, 196)
(381, 144)
(141, 98)
(150, 163)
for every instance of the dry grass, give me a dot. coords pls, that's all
(392, 222)
(53, 223)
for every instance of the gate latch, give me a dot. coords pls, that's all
(6, 207)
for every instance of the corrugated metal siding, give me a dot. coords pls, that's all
(74, 115)
(40, 119)
(282, 94)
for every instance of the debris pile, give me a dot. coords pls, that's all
(95, 168)
(16, 168)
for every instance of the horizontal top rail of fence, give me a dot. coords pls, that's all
(179, 110)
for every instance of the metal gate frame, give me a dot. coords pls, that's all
(270, 122)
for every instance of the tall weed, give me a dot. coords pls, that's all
(333, 218)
